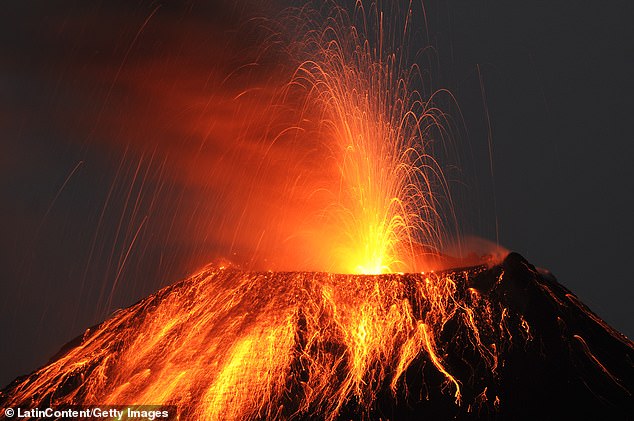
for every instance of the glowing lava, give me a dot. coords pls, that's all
(500, 342)
(230, 345)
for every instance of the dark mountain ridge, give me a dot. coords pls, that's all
(514, 344)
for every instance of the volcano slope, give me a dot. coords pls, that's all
(503, 341)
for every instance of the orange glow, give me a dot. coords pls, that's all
(232, 345)
(387, 187)
(314, 153)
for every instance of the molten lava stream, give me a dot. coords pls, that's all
(227, 344)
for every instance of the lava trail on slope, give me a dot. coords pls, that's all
(499, 342)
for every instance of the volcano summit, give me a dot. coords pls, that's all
(503, 341)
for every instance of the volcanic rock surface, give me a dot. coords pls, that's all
(532, 351)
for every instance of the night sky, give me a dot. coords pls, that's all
(102, 105)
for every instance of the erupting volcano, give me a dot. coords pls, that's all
(349, 306)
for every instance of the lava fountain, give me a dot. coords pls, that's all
(388, 189)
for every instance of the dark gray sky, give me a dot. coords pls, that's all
(559, 89)
(96, 212)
